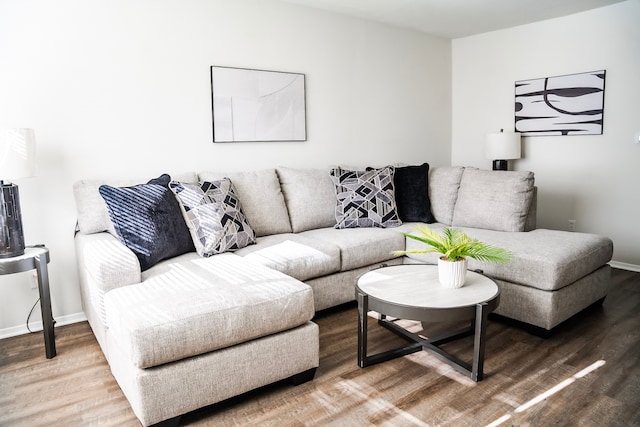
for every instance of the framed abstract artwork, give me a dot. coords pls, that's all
(562, 105)
(257, 105)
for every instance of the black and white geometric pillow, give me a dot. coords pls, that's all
(214, 216)
(365, 198)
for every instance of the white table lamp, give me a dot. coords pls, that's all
(502, 147)
(17, 160)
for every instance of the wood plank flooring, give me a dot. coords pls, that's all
(586, 374)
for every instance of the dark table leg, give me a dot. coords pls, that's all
(45, 306)
(478, 342)
(363, 309)
(417, 343)
(363, 359)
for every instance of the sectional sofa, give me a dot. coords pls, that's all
(188, 313)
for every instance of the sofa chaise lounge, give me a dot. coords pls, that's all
(191, 330)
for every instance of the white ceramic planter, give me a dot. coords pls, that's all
(452, 274)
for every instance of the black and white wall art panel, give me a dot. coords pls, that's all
(562, 105)
(257, 105)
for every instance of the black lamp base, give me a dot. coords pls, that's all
(11, 234)
(500, 165)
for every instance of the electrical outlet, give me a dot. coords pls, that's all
(33, 279)
(572, 225)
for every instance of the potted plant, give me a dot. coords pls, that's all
(455, 246)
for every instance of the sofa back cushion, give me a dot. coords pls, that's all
(444, 182)
(494, 200)
(310, 197)
(261, 197)
(93, 216)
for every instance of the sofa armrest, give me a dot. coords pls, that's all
(105, 263)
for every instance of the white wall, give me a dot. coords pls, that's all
(120, 88)
(592, 179)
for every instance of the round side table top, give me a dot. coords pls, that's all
(24, 262)
(418, 286)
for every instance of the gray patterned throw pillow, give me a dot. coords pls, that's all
(214, 216)
(365, 198)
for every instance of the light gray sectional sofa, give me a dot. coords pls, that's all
(190, 331)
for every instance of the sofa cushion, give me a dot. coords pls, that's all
(261, 197)
(93, 216)
(294, 255)
(443, 191)
(360, 247)
(199, 305)
(214, 216)
(543, 259)
(494, 200)
(365, 198)
(412, 193)
(310, 197)
(148, 220)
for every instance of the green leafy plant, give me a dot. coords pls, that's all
(454, 245)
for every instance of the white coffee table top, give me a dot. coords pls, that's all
(418, 286)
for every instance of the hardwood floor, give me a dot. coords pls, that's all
(586, 374)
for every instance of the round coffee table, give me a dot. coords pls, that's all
(413, 292)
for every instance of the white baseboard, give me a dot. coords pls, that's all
(37, 325)
(625, 266)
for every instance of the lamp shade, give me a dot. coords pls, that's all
(502, 146)
(18, 154)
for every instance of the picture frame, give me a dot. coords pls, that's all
(572, 104)
(250, 105)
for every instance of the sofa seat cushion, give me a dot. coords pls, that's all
(360, 247)
(194, 306)
(294, 255)
(544, 259)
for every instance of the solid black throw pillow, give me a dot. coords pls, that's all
(412, 193)
(148, 220)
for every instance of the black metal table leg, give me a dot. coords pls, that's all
(363, 309)
(45, 306)
(417, 343)
(478, 341)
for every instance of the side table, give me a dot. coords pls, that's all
(36, 258)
